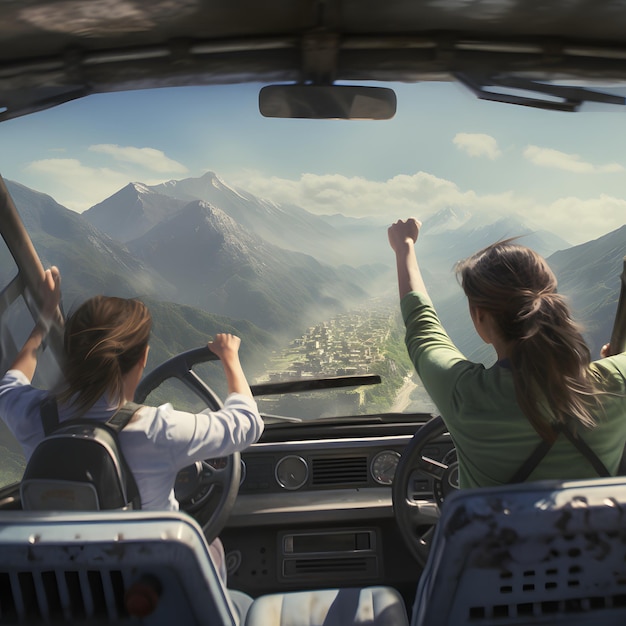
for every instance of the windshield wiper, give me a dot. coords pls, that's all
(269, 418)
(548, 96)
(313, 384)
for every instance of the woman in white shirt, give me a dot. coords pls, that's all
(106, 349)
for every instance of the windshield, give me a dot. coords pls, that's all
(275, 229)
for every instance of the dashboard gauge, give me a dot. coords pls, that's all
(292, 472)
(383, 466)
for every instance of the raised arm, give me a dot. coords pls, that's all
(26, 359)
(402, 237)
(226, 346)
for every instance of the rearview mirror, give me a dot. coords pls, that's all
(317, 102)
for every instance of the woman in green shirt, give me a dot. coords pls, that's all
(544, 387)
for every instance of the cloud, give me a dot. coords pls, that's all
(423, 194)
(149, 158)
(75, 185)
(79, 186)
(548, 157)
(477, 145)
(355, 196)
(580, 219)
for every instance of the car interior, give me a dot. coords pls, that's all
(347, 510)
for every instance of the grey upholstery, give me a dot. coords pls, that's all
(550, 552)
(78, 568)
(530, 554)
(537, 553)
(369, 606)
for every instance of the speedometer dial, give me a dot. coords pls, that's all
(383, 467)
(292, 472)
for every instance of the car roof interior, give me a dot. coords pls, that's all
(56, 51)
(551, 54)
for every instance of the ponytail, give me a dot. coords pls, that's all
(104, 339)
(549, 357)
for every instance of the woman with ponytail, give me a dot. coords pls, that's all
(105, 352)
(544, 399)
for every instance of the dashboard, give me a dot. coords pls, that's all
(315, 508)
(318, 480)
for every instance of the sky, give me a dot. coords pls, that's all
(564, 172)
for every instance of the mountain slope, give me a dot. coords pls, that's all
(456, 239)
(178, 328)
(135, 209)
(90, 261)
(589, 274)
(445, 238)
(220, 267)
(131, 212)
(448, 237)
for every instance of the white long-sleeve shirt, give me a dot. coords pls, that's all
(159, 441)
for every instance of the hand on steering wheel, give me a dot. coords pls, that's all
(207, 489)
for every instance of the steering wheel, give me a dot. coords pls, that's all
(207, 489)
(416, 516)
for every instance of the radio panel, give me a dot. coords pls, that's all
(330, 555)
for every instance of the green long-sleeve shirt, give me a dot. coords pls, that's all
(492, 436)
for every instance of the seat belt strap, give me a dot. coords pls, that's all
(122, 416)
(535, 457)
(538, 454)
(49, 415)
(117, 422)
(583, 447)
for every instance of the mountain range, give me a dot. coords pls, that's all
(227, 253)
(217, 265)
(356, 247)
(135, 209)
(91, 262)
(452, 235)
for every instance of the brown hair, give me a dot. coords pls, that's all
(549, 357)
(104, 339)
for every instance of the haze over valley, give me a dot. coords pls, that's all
(208, 257)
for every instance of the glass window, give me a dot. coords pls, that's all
(275, 229)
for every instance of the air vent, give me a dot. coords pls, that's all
(328, 570)
(313, 566)
(55, 596)
(346, 471)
